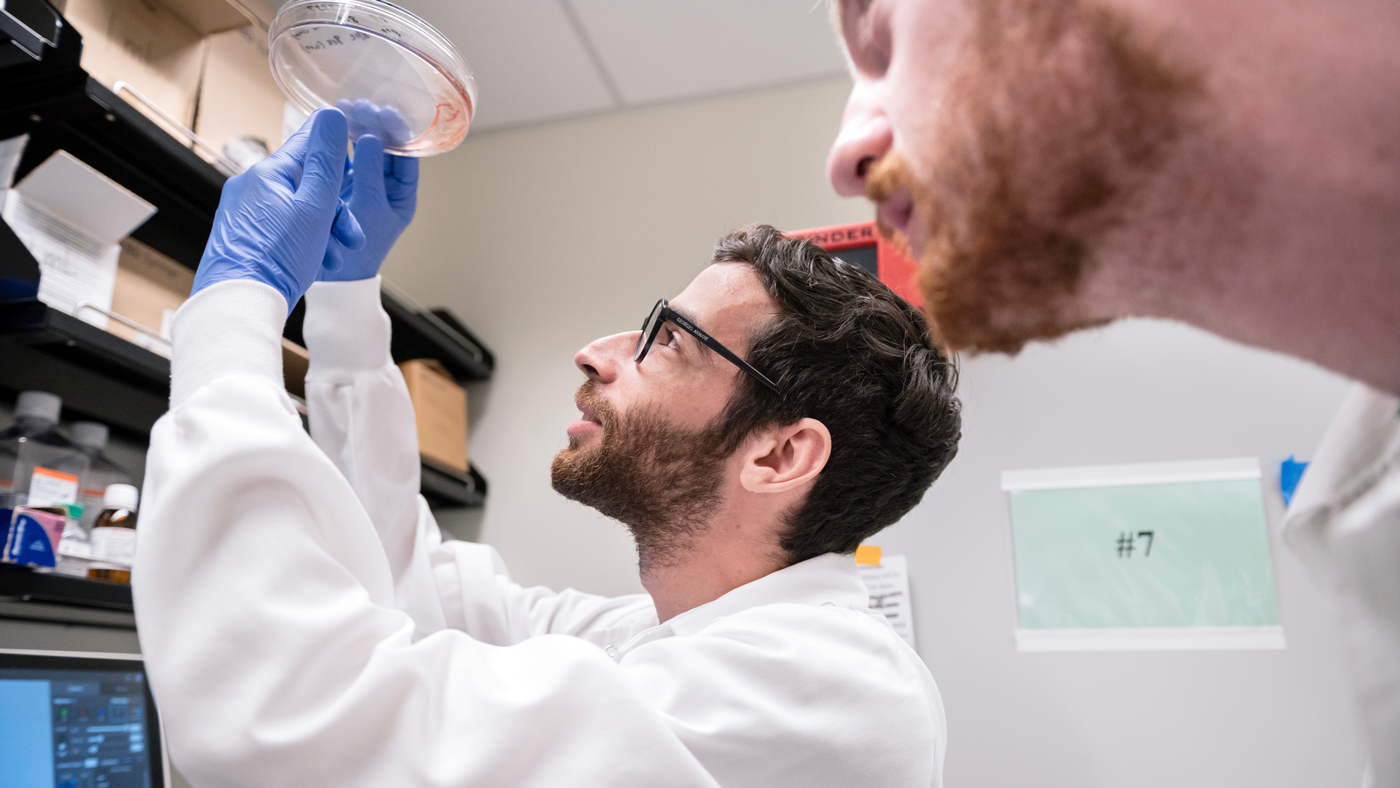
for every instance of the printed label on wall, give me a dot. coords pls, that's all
(1143, 557)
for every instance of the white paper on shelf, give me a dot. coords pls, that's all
(71, 217)
(10, 152)
(888, 585)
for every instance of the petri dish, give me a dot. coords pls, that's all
(393, 74)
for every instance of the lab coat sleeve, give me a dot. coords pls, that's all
(268, 621)
(362, 418)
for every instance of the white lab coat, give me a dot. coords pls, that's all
(1345, 523)
(304, 624)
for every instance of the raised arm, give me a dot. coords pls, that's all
(362, 418)
(269, 623)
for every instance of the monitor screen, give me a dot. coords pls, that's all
(77, 720)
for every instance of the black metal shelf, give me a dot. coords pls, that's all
(449, 488)
(107, 378)
(98, 374)
(24, 584)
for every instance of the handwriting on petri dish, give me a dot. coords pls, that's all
(370, 23)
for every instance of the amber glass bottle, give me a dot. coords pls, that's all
(114, 535)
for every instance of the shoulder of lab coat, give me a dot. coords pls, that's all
(792, 680)
(1345, 524)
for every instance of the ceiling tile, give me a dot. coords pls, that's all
(657, 51)
(529, 63)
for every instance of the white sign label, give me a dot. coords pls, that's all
(888, 585)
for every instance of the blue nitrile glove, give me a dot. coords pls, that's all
(275, 220)
(381, 189)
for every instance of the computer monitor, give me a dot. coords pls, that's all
(78, 720)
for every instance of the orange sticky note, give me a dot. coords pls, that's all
(868, 554)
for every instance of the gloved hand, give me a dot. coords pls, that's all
(275, 220)
(381, 189)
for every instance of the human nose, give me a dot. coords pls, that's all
(865, 137)
(599, 360)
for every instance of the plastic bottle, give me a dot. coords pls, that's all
(36, 412)
(113, 536)
(48, 466)
(91, 438)
(75, 547)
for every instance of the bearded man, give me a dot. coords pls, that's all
(304, 623)
(1057, 164)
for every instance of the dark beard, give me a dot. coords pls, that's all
(1055, 119)
(661, 481)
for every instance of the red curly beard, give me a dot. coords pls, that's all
(1053, 120)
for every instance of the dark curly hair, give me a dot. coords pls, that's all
(848, 352)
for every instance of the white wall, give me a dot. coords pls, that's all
(543, 239)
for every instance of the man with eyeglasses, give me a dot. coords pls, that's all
(304, 623)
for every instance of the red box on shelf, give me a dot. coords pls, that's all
(863, 245)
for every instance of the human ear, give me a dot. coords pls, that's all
(781, 458)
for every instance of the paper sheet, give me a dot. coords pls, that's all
(888, 584)
(74, 267)
(71, 217)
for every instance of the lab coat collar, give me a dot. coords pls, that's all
(827, 579)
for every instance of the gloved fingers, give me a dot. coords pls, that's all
(369, 167)
(401, 181)
(393, 128)
(287, 160)
(347, 180)
(324, 165)
(346, 228)
(333, 260)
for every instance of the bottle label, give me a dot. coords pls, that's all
(48, 487)
(114, 545)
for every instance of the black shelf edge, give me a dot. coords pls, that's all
(448, 488)
(24, 583)
(42, 327)
(98, 374)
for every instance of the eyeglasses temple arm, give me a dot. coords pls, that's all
(714, 345)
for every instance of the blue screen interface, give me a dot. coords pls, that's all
(73, 729)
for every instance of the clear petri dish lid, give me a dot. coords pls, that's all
(393, 74)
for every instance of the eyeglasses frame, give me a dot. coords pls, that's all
(662, 313)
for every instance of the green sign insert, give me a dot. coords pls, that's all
(1130, 551)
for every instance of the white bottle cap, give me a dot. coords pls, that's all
(38, 405)
(120, 496)
(90, 435)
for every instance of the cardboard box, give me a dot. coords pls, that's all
(160, 48)
(238, 96)
(146, 45)
(150, 288)
(440, 407)
(295, 362)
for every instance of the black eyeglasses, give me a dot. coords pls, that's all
(663, 312)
